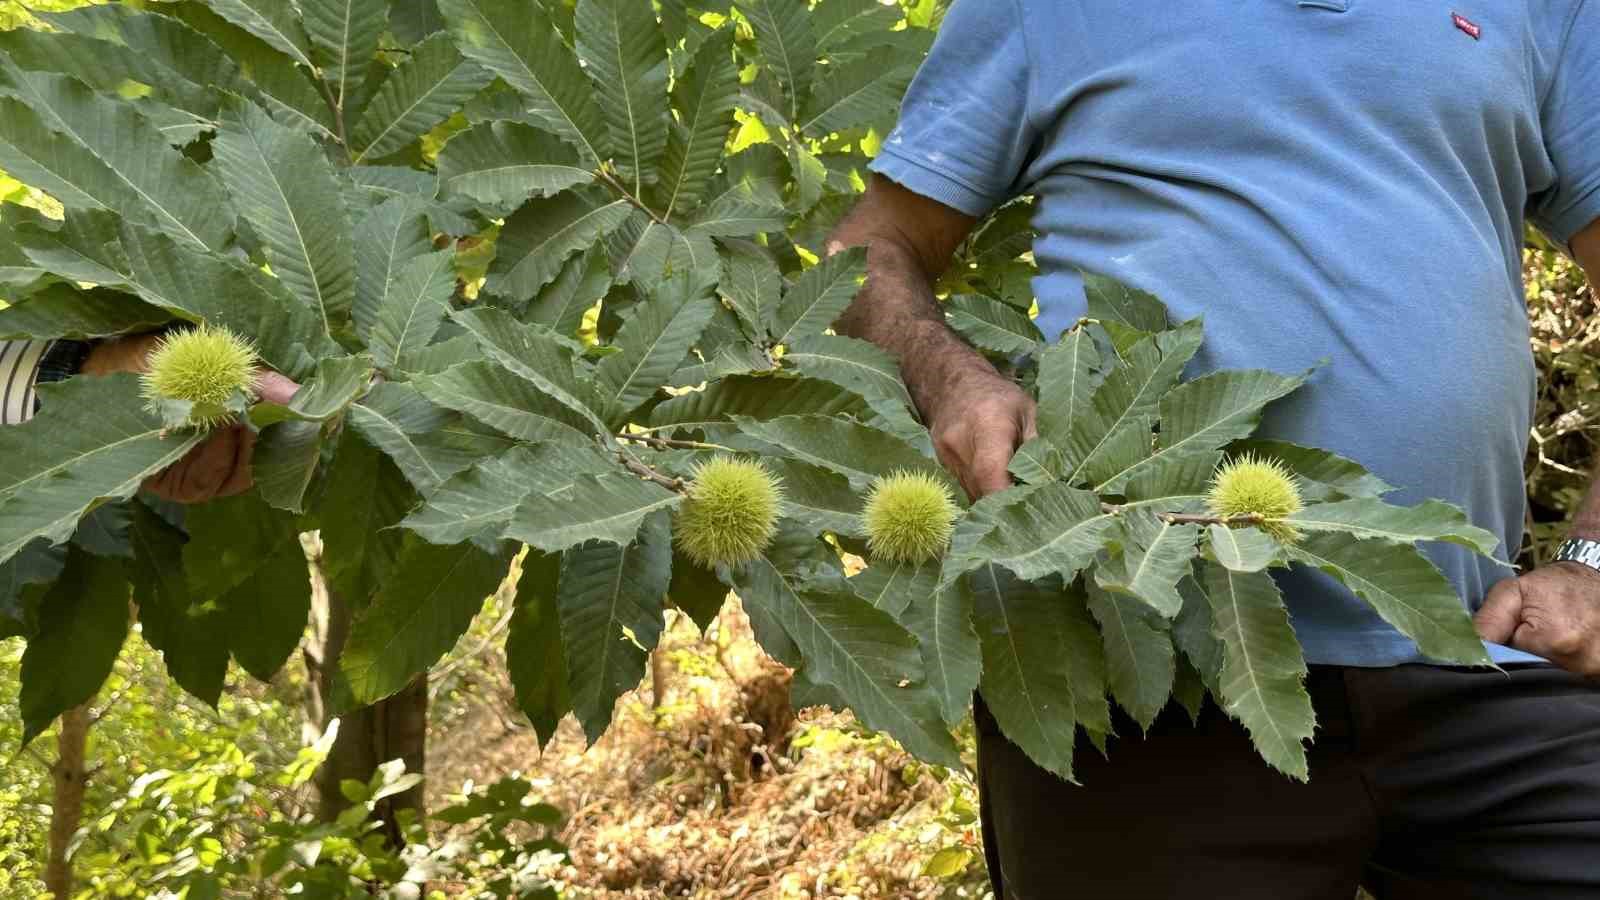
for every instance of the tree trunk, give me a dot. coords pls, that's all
(393, 728)
(400, 731)
(66, 811)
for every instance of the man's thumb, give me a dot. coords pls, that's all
(1501, 613)
(990, 467)
(274, 388)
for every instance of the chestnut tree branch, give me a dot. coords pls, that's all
(1171, 518)
(620, 188)
(672, 443)
(638, 467)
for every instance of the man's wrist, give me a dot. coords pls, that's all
(945, 363)
(1585, 529)
(123, 354)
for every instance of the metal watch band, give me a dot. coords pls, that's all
(1579, 550)
(61, 361)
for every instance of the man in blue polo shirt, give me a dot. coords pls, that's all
(1345, 179)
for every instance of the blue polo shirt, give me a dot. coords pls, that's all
(1319, 178)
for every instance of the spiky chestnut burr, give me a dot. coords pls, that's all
(1250, 485)
(909, 517)
(202, 377)
(730, 512)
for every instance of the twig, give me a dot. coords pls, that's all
(1194, 519)
(672, 443)
(436, 676)
(1229, 521)
(106, 707)
(617, 186)
(338, 114)
(637, 467)
(1539, 442)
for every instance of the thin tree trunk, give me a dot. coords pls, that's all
(70, 776)
(400, 731)
(393, 728)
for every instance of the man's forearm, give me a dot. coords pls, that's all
(976, 417)
(898, 311)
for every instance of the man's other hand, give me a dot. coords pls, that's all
(978, 422)
(219, 466)
(1553, 612)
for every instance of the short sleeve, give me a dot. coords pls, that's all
(964, 135)
(1570, 118)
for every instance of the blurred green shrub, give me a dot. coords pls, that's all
(186, 801)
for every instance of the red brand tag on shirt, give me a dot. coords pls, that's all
(1466, 24)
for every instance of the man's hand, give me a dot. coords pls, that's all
(220, 466)
(977, 416)
(1553, 612)
(978, 422)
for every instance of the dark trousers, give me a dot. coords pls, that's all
(1426, 782)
